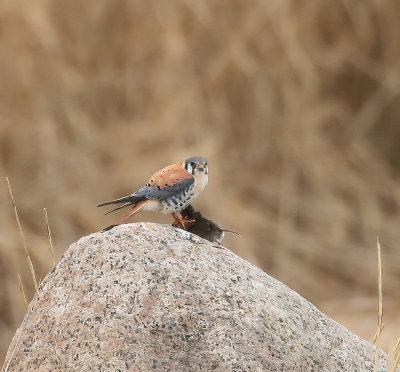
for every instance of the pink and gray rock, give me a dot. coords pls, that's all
(147, 297)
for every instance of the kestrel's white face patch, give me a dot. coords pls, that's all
(196, 164)
(200, 180)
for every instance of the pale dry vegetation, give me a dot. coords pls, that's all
(295, 103)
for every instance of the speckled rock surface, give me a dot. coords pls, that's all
(147, 297)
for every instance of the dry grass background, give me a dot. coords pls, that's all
(295, 103)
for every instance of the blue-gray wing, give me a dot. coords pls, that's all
(161, 193)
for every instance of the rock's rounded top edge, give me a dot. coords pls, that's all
(147, 227)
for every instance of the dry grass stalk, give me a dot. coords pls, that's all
(394, 357)
(378, 333)
(21, 286)
(51, 248)
(28, 257)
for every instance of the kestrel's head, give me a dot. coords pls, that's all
(196, 165)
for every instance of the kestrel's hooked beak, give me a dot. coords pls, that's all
(201, 167)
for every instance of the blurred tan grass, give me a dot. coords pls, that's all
(296, 105)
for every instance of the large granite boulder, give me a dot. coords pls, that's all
(144, 297)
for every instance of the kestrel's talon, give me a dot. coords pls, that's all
(180, 221)
(185, 224)
(169, 190)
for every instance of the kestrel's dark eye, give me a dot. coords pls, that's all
(192, 164)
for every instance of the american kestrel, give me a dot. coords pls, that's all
(170, 190)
